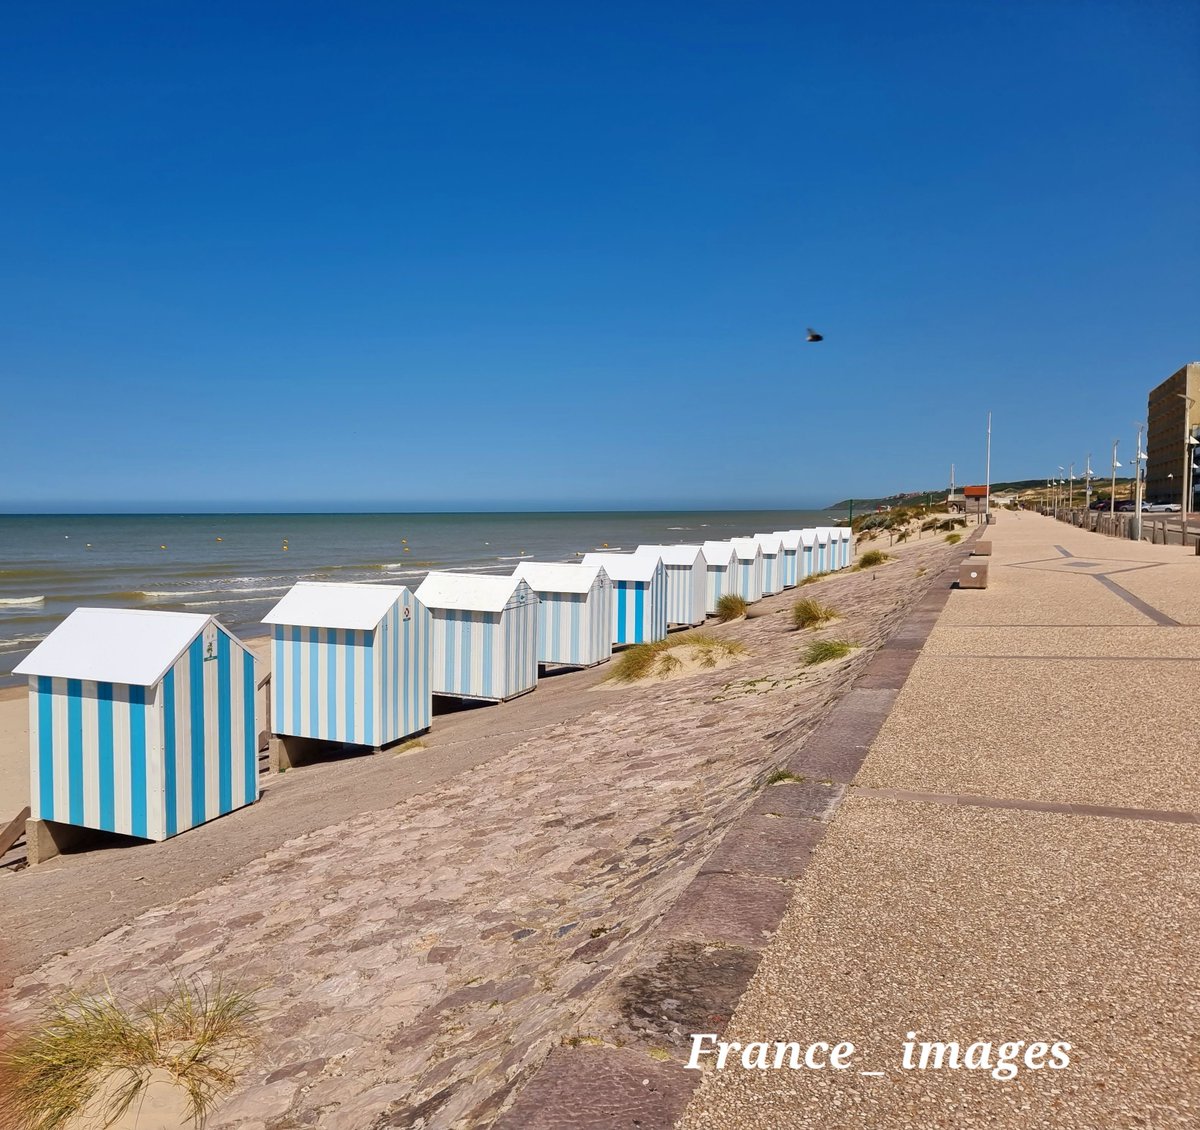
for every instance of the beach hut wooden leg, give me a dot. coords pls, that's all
(281, 753)
(44, 839)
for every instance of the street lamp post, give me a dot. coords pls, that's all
(1112, 497)
(987, 495)
(1188, 441)
(1087, 483)
(1138, 486)
(1071, 489)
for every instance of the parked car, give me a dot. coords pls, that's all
(1125, 506)
(1162, 507)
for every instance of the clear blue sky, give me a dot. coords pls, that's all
(520, 254)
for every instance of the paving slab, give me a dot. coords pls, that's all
(1147, 641)
(1035, 728)
(978, 926)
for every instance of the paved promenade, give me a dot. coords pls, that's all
(1017, 860)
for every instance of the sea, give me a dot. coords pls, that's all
(236, 566)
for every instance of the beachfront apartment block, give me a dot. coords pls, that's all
(1172, 414)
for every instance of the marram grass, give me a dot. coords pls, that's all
(822, 651)
(813, 578)
(87, 1049)
(810, 613)
(872, 558)
(645, 659)
(730, 607)
(953, 539)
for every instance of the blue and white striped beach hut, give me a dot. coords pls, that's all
(575, 613)
(485, 635)
(790, 539)
(808, 554)
(350, 663)
(847, 550)
(140, 722)
(721, 571)
(748, 576)
(824, 550)
(687, 579)
(639, 595)
(835, 547)
(773, 562)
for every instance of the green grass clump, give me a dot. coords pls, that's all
(809, 613)
(813, 578)
(92, 1049)
(779, 776)
(730, 607)
(872, 558)
(645, 659)
(822, 651)
(953, 539)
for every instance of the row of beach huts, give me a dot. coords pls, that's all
(148, 723)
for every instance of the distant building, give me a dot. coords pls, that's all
(969, 500)
(974, 500)
(1168, 415)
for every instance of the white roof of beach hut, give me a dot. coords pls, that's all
(136, 646)
(771, 543)
(334, 604)
(673, 554)
(718, 552)
(625, 566)
(558, 576)
(745, 547)
(824, 534)
(789, 538)
(808, 537)
(470, 591)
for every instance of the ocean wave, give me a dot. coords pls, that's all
(19, 642)
(222, 603)
(681, 527)
(173, 596)
(7, 601)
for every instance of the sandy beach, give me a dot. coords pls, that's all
(421, 929)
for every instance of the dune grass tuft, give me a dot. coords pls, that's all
(92, 1048)
(822, 651)
(953, 539)
(809, 613)
(730, 607)
(645, 659)
(872, 558)
(813, 578)
(782, 776)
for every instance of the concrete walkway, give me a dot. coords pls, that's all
(1017, 860)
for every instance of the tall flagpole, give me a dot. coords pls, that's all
(987, 498)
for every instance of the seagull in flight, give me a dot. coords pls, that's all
(813, 335)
